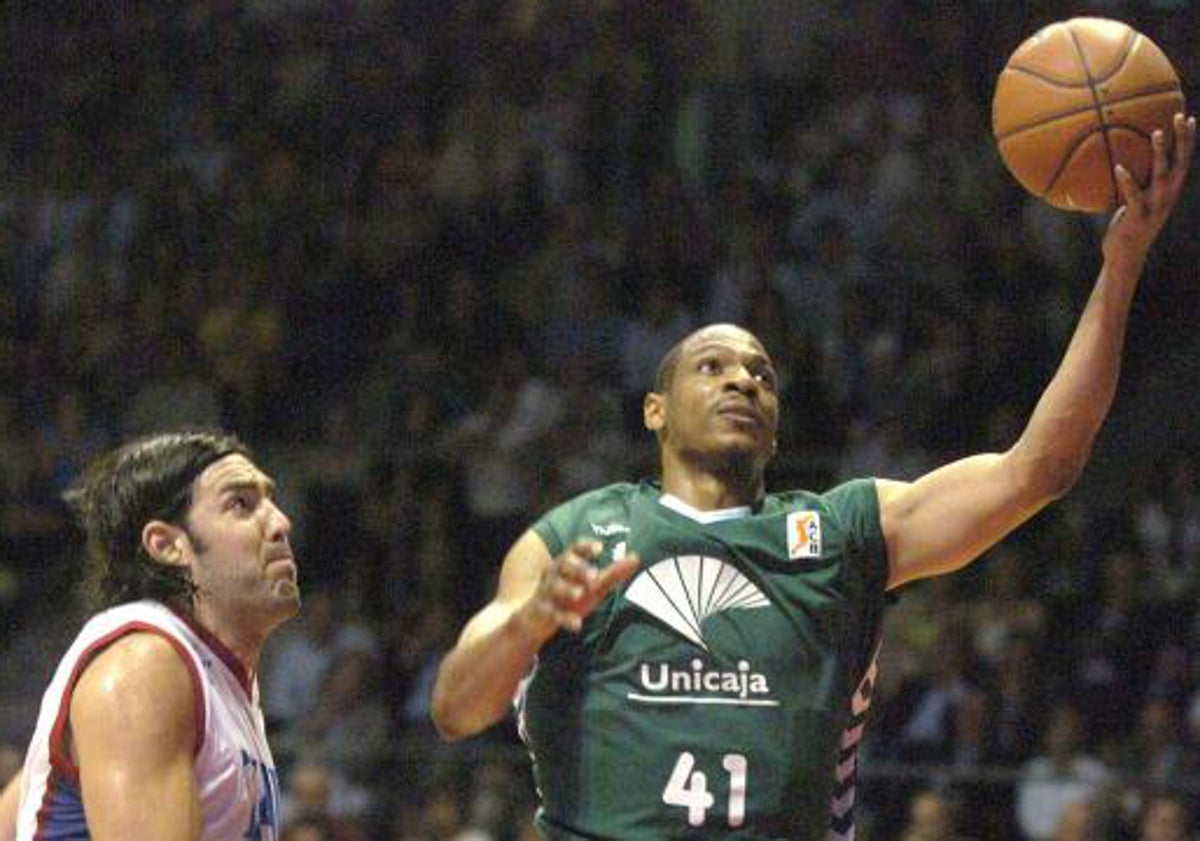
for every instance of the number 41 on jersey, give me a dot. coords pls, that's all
(688, 788)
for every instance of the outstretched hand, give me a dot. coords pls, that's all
(1137, 223)
(571, 586)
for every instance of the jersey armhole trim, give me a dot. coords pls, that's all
(60, 760)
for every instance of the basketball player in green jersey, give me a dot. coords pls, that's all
(719, 647)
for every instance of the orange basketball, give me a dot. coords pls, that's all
(1074, 100)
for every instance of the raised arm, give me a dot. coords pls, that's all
(948, 517)
(133, 729)
(537, 596)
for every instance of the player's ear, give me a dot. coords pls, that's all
(653, 407)
(164, 543)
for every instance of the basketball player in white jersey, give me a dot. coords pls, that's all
(151, 726)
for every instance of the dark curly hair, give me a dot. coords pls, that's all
(149, 478)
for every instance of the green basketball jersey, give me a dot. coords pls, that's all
(714, 695)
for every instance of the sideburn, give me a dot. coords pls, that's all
(198, 545)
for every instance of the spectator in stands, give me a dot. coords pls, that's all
(1061, 775)
(300, 660)
(1114, 645)
(1078, 821)
(309, 828)
(500, 450)
(201, 131)
(931, 817)
(1019, 696)
(443, 819)
(939, 703)
(315, 793)
(347, 729)
(1159, 752)
(1165, 816)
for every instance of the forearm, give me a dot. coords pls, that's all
(1058, 439)
(478, 679)
(536, 597)
(949, 516)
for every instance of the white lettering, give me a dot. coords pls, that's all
(743, 683)
(655, 685)
(609, 529)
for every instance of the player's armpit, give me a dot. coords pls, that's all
(133, 736)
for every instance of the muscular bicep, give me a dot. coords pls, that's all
(950, 516)
(133, 735)
(519, 575)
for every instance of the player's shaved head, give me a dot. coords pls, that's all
(669, 364)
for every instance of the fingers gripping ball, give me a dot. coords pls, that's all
(1074, 100)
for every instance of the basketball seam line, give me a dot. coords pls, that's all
(1122, 100)
(1066, 159)
(1045, 77)
(1131, 38)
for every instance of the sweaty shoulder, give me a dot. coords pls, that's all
(599, 513)
(138, 681)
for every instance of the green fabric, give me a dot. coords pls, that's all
(723, 660)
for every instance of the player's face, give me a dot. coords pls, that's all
(241, 559)
(722, 399)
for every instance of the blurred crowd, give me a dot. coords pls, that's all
(424, 257)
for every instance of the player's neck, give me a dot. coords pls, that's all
(706, 490)
(243, 641)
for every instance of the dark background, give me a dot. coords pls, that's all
(424, 258)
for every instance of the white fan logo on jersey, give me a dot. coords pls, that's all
(683, 592)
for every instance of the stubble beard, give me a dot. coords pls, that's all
(286, 590)
(737, 467)
(740, 468)
(289, 589)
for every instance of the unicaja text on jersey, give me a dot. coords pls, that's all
(660, 677)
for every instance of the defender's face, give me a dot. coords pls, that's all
(722, 398)
(242, 560)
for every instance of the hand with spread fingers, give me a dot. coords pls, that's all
(1137, 223)
(571, 586)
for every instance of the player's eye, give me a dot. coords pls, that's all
(766, 376)
(239, 502)
(709, 365)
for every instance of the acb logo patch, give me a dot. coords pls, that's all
(804, 535)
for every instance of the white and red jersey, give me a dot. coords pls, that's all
(235, 774)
